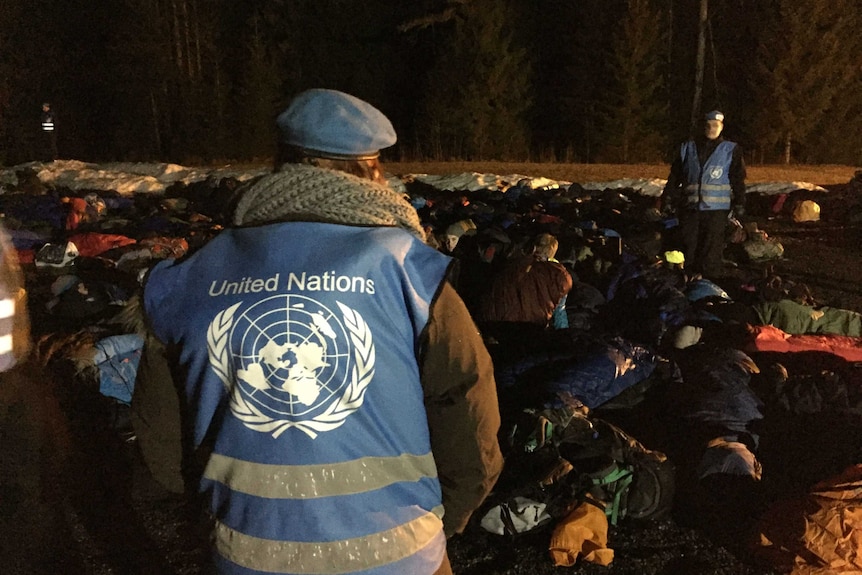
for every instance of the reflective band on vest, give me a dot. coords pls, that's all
(48, 126)
(370, 551)
(5, 343)
(7, 318)
(708, 187)
(7, 307)
(717, 195)
(311, 481)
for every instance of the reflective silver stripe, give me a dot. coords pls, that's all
(709, 199)
(48, 127)
(311, 481)
(332, 557)
(716, 196)
(7, 307)
(5, 343)
(709, 187)
(715, 187)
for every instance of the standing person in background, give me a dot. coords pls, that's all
(49, 133)
(706, 183)
(331, 394)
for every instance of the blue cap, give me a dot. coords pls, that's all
(332, 124)
(715, 115)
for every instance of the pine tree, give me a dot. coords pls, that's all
(632, 112)
(591, 72)
(572, 41)
(13, 124)
(803, 62)
(126, 100)
(258, 93)
(478, 92)
(32, 57)
(838, 139)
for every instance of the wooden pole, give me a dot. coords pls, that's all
(698, 75)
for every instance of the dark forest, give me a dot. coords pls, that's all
(613, 81)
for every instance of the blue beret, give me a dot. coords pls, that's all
(332, 124)
(715, 115)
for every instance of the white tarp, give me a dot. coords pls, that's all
(128, 178)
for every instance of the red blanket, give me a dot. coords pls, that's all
(771, 338)
(91, 244)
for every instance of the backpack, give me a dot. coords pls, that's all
(562, 457)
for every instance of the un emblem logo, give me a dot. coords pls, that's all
(715, 172)
(289, 361)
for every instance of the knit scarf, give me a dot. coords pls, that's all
(307, 193)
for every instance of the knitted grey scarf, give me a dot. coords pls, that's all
(307, 193)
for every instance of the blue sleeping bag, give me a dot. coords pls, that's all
(600, 375)
(117, 358)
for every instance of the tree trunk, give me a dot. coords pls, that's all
(787, 141)
(219, 96)
(196, 16)
(157, 135)
(698, 75)
(187, 35)
(178, 46)
(670, 59)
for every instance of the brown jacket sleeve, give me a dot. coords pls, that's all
(463, 413)
(156, 416)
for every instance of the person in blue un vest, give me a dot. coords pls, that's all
(313, 373)
(49, 133)
(706, 184)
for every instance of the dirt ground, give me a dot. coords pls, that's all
(113, 519)
(821, 175)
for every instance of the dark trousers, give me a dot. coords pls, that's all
(703, 238)
(49, 147)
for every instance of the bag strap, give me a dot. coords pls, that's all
(506, 518)
(619, 479)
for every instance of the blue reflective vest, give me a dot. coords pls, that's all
(47, 122)
(302, 365)
(708, 186)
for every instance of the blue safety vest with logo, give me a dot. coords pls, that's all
(708, 186)
(302, 364)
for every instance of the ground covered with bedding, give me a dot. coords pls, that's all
(111, 517)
